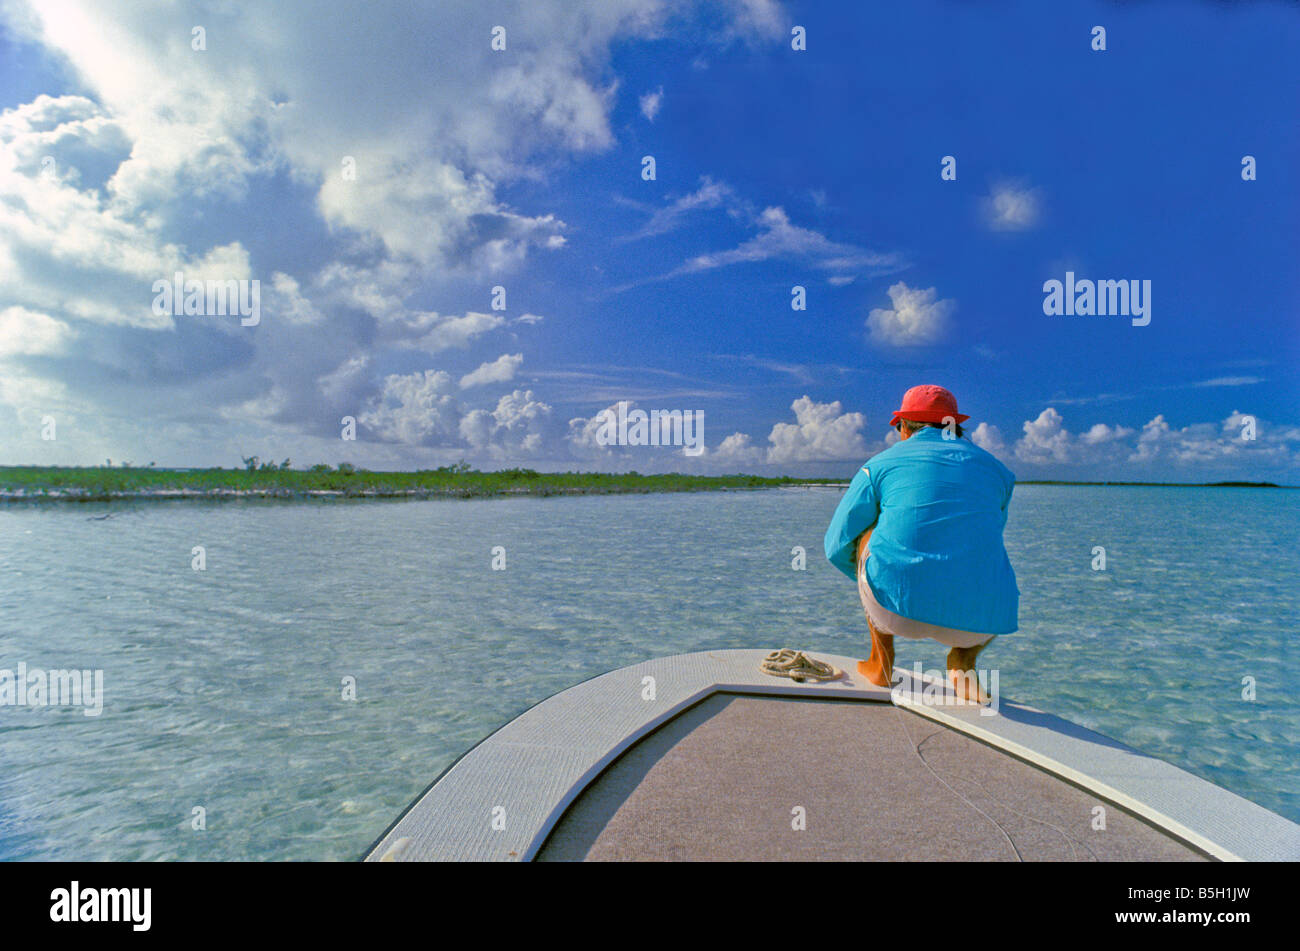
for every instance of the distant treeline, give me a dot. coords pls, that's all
(280, 480)
(105, 483)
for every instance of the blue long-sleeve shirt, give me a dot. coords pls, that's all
(938, 506)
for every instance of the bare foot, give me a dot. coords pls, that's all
(965, 683)
(871, 670)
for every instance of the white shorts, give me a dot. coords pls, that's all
(887, 622)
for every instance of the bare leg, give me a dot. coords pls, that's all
(880, 668)
(961, 673)
(863, 551)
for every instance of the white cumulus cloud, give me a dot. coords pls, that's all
(517, 426)
(1045, 440)
(500, 370)
(989, 438)
(30, 332)
(1012, 207)
(820, 432)
(417, 409)
(651, 103)
(1157, 447)
(917, 318)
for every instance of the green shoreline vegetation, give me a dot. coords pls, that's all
(269, 480)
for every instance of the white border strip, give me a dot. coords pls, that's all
(543, 760)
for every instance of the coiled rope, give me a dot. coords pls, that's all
(796, 665)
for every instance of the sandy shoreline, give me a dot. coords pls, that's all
(48, 494)
(284, 494)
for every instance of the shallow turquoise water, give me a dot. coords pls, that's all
(223, 687)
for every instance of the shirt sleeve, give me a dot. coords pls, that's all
(857, 512)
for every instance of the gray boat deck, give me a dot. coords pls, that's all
(503, 799)
(723, 781)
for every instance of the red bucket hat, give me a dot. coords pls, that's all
(928, 404)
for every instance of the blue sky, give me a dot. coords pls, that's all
(126, 154)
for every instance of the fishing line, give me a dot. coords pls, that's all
(1069, 840)
(917, 751)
